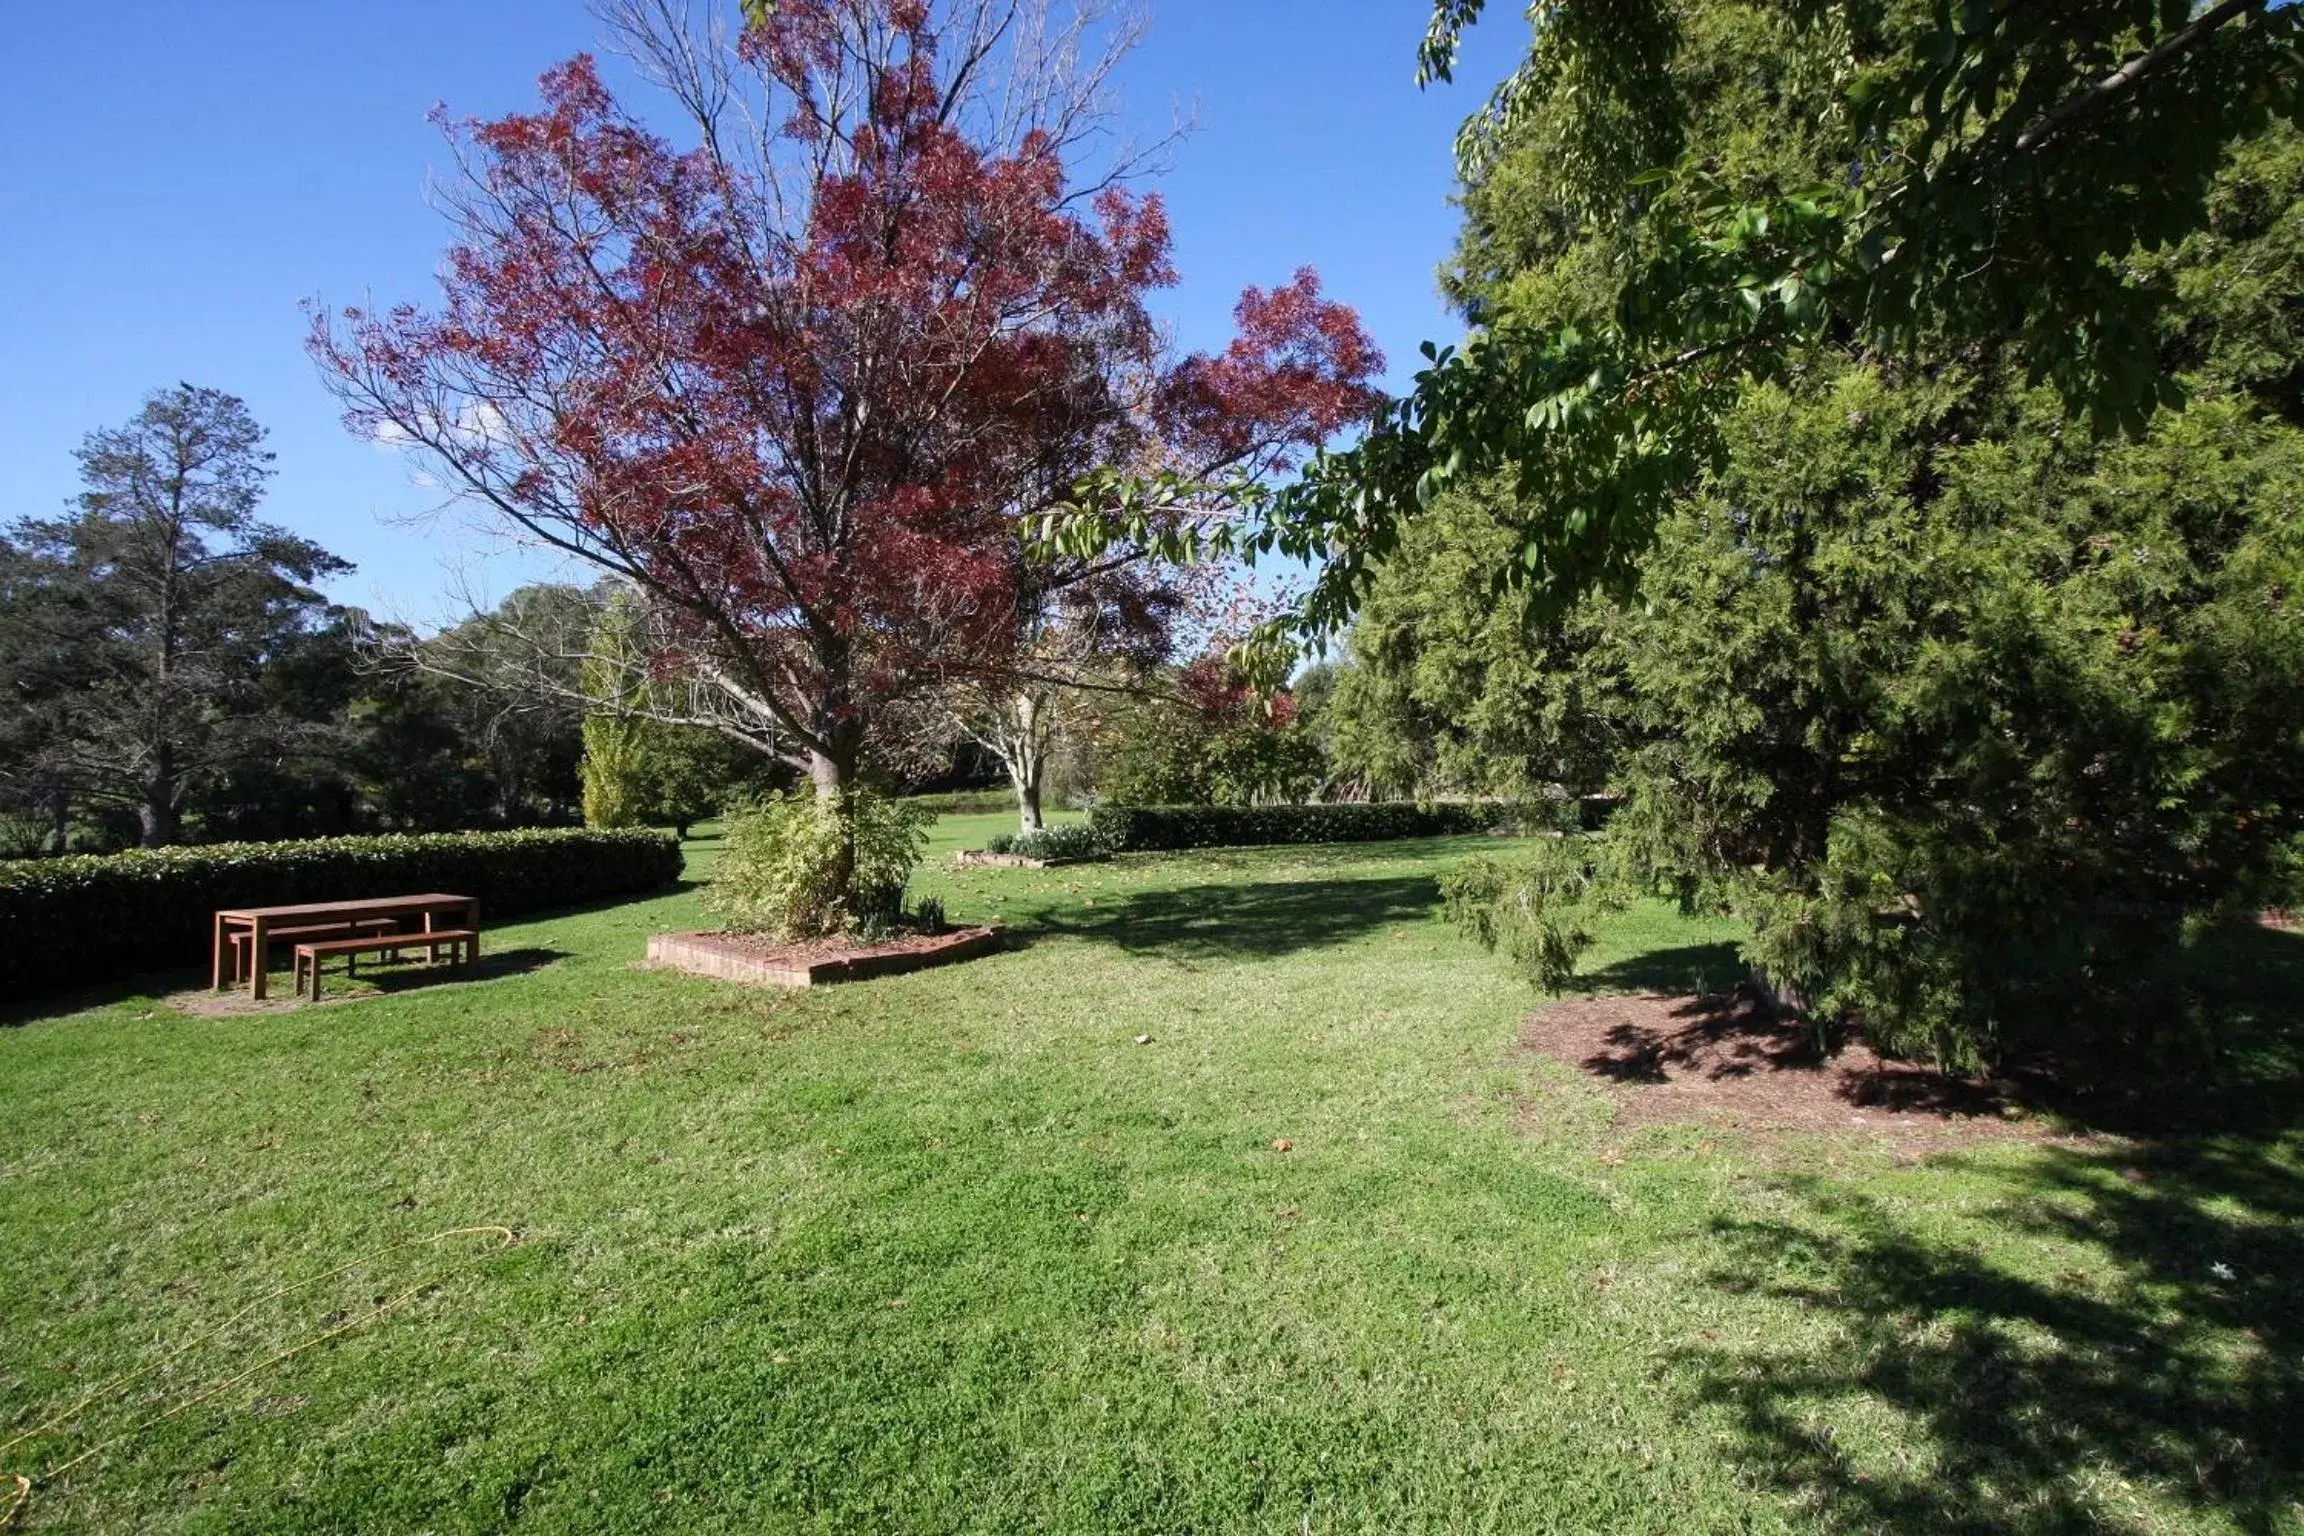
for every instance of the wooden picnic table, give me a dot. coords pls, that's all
(260, 921)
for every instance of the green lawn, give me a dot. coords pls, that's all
(951, 1252)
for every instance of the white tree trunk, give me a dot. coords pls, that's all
(1021, 742)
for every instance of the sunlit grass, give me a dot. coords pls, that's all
(953, 1251)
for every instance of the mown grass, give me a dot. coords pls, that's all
(951, 1252)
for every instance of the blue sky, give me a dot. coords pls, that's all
(177, 177)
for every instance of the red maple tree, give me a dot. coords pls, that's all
(803, 381)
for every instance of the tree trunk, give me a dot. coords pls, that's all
(1028, 800)
(1023, 750)
(59, 822)
(157, 825)
(833, 777)
(156, 817)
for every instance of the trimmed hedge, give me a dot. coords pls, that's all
(1149, 828)
(964, 802)
(94, 917)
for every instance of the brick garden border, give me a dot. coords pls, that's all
(725, 958)
(977, 858)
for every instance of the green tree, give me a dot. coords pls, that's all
(614, 769)
(42, 637)
(509, 682)
(1971, 181)
(1209, 740)
(172, 606)
(1450, 690)
(1974, 712)
(689, 773)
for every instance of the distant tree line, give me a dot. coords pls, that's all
(170, 672)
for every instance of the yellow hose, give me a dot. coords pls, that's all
(25, 1485)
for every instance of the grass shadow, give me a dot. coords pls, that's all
(1262, 920)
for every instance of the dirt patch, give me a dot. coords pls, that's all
(1739, 1064)
(204, 1004)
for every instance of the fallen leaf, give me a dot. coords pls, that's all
(1143, 1039)
(1283, 1144)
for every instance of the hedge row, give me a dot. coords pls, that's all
(964, 802)
(1149, 828)
(92, 917)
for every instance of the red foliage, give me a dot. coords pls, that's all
(1222, 697)
(807, 422)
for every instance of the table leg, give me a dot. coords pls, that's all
(259, 952)
(216, 954)
(472, 921)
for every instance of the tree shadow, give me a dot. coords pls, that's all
(489, 967)
(2167, 1357)
(1699, 969)
(2025, 1402)
(1261, 920)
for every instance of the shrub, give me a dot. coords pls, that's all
(1074, 840)
(1140, 829)
(1001, 842)
(802, 867)
(79, 918)
(928, 916)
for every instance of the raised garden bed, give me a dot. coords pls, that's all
(977, 858)
(815, 962)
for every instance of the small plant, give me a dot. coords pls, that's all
(928, 915)
(1000, 842)
(803, 867)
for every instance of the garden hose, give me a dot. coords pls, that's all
(22, 1497)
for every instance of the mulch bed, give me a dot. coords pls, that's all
(1738, 1063)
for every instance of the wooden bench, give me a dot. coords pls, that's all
(239, 938)
(462, 944)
